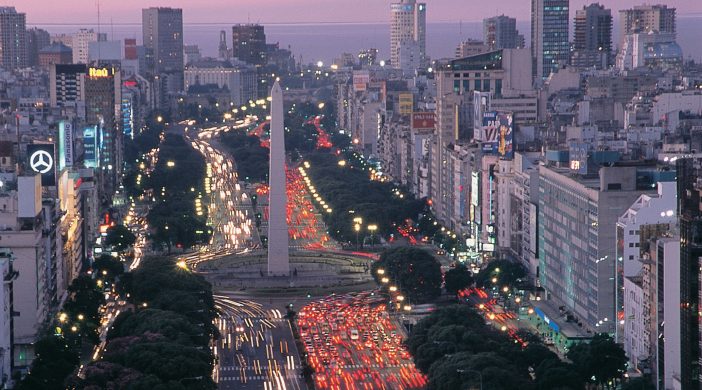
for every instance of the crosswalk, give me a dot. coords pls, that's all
(239, 368)
(254, 378)
(407, 365)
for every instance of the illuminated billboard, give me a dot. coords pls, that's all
(422, 121)
(41, 159)
(65, 145)
(91, 150)
(406, 103)
(497, 134)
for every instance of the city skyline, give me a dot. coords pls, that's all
(316, 11)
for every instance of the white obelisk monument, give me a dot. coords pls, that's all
(278, 257)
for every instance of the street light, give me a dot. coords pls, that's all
(170, 164)
(372, 229)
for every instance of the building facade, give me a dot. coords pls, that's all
(407, 28)
(550, 44)
(500, 32)
(13, 38)
(592, 46)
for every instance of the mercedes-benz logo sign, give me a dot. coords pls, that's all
(41, 161)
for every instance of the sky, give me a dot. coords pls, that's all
(44, 12)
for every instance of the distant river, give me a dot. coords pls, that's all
(326, 41)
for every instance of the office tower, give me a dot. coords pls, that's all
(13, 39)
(407, 32)
(278, 255)
(37, 39)
(592, 46)
(162, 30)
(56, 53)
(191, 54)
(66, 84)
(368, 56)
(249, 43)
(223, 50)
(574, 212)
(471, 47)
(500, 32)
(81, 42)
(689, 197)
(102, 100)
(646, 18)
(550, 46)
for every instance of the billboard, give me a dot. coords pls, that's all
(406, 103)
(90, 147)
(65, 145)
(422, 121)
(578, 157)
(481, 104)
(41, 159)
(360, 81)
(497, 134)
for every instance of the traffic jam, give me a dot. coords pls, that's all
(351, 342)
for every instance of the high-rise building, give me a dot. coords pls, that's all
(500, 32)
(37, 39)
(162, 30)
(550, 44)
(249, 44)
(13, 38)
(407, 29)
(646, 18)
(223, 49)
(689, 197)
(592, 46)
(81, 43)
(576, 238)
(103, 98)
(66, 84)
(470, 47)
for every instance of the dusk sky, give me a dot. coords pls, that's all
(296, 11)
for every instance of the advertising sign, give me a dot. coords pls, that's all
(497, 134)
(65, 145)
(578, 157)
(481, 103)
(90, 142)
(360, 81)
(406, 103)
(422, 121)
(40, 159)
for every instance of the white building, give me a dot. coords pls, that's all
(81, 44)
(239, 80)
(647, 210)
(21, 220)
(407, 24)
(8, 276)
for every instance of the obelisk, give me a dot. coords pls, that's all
(278, 257)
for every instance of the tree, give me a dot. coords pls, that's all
(601, 359)
(415, 271)
(53, 363)
(458, 278)
(108, 267)
(119, 238)
(505, 273)
(552, 374)
(640, 383)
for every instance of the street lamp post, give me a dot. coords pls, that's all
(358, 221)
(372, 228)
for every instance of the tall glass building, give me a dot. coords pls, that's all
(550, 47)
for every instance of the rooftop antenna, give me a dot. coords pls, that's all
(98, 33)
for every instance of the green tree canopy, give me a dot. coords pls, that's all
(119, 238)
(416, 272)
(458, 278)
